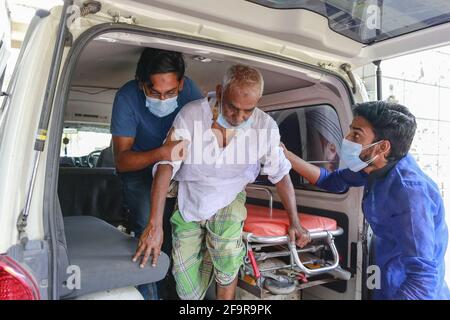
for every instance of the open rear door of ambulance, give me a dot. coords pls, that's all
(354, 32)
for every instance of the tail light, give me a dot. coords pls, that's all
(16, 283)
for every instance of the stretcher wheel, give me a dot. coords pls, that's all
(282, 285)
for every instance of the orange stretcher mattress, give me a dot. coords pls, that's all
(261, 224)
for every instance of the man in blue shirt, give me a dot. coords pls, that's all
(143, 112)
(401, 203)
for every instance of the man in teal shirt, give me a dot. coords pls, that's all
(143, 113)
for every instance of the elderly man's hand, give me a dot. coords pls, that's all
(299, 235)
(149, 243)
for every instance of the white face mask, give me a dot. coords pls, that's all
(350, 152)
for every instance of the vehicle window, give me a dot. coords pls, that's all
(314, 134)
(81, 146)
(370, 21)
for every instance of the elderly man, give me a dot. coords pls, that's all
(228, 144)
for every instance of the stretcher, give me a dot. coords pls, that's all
(276, 265)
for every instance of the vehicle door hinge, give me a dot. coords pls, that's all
(118, 18)
(68, 39)
(347, 68)
(326, 65)
(75, 13)
(90, 7)
(21, 227)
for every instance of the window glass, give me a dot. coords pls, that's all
(81, 142)
(371, 21)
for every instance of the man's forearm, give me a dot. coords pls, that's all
(285, 191)
(160, 187)
(134, 160)
(307, 170)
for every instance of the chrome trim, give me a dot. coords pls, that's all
(285, 239)
(261, 256)
(311, 272)
(293, 251)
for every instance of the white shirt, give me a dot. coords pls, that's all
(211, 177)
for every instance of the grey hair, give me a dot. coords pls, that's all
(242, 74)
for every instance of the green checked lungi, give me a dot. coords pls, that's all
(206, 248)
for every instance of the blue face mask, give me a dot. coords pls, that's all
(350, 152)
(225, 124)
(161, 108)
(221, 121)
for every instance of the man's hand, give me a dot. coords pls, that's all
(289, 155)
(175, 150)
(149, 243)
(299, 235)
(127, 160)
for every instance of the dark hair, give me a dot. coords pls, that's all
(390, 121)
(153, 61)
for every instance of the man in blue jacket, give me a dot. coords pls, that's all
(401, 203)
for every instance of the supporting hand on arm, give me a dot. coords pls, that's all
(128, 160)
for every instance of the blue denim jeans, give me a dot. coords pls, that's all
(136, 189)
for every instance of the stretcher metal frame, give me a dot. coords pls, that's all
(296, 268)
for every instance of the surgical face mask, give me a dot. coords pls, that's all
(225, 124)
(350, 152)
(161, 108)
